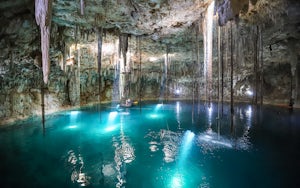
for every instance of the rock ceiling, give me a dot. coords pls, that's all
(173, 21)
(158, 18)
(163, 20)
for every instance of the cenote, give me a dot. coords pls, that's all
(128, 92)
(171, 145)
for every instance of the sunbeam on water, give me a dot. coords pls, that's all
(110, 128)
(158, 106)
(177, 181)
(112, 116)
(72, 127)
(187, 142)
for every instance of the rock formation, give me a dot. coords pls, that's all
(259, 38)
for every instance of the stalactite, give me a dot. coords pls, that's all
(74, 72)
(237, 46)
(116, 95)
(205, 61)
(193, 83)
(82, 7)
(123, 46)
(231, 79)
(219, 72)
(261, 67)
(99, 59)
(194, 65)
(173, 76)
(293, 63)
(128, 71)
(43, 14)
(219, 79)
(194, 89)
(77, 76)
(126, 66)
(222, 72)
(231, 69)
(226, 46)
(198, 65)
(168, 62)
(43, 104)
(297, 82)
(257, 64)
(255, 58)
(291, 103)
(140, 72)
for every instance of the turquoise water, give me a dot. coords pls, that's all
(174, 145)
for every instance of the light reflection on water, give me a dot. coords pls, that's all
(130, 149)
(76, 163)
(124, 154)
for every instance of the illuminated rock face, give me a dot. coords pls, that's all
(160, 25)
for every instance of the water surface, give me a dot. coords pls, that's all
(174, 145)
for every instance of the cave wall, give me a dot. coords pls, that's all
(73, 79)
(21, 75)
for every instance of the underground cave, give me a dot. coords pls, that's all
(157, 93)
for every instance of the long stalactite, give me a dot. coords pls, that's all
(99, 59)
(77, 69)
(222, 71)
(43, 14)
(168, 62)
(219, 72)
(231, 79)
(82, 6)
(219, 79)
(194, 84)
(198, 84)
(256, 68)
(261, 67)
(140, 71)
(43, 105)
(123, 48)
(231, 69)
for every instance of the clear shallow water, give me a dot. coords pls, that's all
(169, 146)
